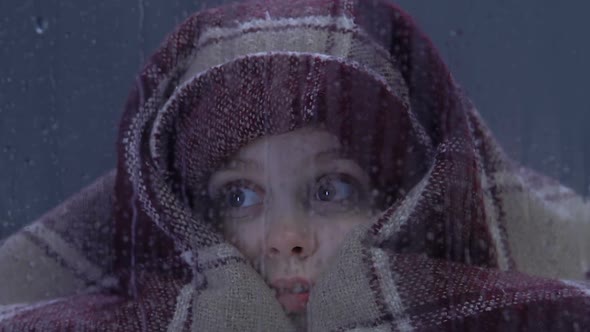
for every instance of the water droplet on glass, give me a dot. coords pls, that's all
(456, 32)
(41, 24)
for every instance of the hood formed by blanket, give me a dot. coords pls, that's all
(361, 69)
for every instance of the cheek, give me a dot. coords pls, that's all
(331, 234)
(247, 236)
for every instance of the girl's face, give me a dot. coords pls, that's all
(287, 202)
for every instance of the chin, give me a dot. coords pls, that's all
(299, 320)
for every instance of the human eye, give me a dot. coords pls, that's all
(239, 199)
(336, 192)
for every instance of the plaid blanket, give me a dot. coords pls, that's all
(467, 241)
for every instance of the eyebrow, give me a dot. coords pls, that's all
(346, 162)
(237, 163)
(334, 153)
(231, 167)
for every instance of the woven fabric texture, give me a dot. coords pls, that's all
(467, 239)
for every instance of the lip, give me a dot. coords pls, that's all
(292, 302)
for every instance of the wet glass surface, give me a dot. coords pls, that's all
(67, 68)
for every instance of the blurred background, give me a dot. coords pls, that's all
(66, 67)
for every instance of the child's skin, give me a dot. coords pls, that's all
(287, 202)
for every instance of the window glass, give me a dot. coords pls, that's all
(430, 157)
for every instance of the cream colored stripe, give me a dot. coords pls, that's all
(585, 288)
(542, 188)
(492, 216)
(390, 292)
(303, 34)
(493, 225)
(11, 310)
(183, 303)
(220, 251)
(490, 209)
(305, 40)
(494, 228)
(402, 213)
(550, 189)
(341, 22)
(71, 255)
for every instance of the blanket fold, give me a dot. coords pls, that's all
(465, 240)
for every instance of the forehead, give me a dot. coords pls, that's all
(300, 144)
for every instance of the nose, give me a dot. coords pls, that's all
(290, 241)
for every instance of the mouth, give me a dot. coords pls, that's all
(292, 294)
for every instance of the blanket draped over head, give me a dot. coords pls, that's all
(468, 240)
